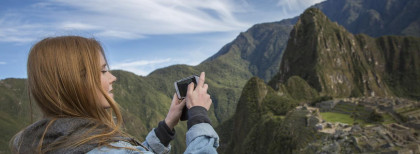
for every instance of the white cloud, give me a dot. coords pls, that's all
(296, 5)
(133, 19)
(15, 29)
(140, 63)
(119, 34)
(142, 67)
(127, 19)
(77, 26)
(2, 63)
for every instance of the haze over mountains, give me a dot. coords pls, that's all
(375, 17)
(322, 60)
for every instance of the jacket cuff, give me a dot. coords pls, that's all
(200, 130)
(164, 133)
(196, 115)
(153, 143)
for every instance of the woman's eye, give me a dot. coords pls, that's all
(104, 71)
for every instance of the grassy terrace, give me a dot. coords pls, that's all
(339, 117)
(346, 118)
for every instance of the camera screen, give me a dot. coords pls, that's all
(183, 86)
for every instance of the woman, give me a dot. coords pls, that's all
(69, 80)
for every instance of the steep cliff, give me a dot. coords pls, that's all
(262, 124)
(322, 61)
(340, 64)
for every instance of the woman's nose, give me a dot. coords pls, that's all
(113, 78)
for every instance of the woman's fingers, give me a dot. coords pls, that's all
(190, 88)
(174, 112)
(201, 80)
(205, 87)
(175, 97)
(182, 103)
(199, 96)
(175, 101)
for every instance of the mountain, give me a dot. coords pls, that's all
(375, 17)
(255, 52)
(14, 110)
(340, 64)
(259, 49)
(258, 123)
(324, 61)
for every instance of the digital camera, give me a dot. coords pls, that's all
(181, 87)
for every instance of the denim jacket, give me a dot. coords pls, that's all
(200, 138)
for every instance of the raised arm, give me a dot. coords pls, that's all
(201, 137)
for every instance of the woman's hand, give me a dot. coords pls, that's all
(175, 112)
(199, 95)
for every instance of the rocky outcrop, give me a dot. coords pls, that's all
(340, 64)
(321, 59)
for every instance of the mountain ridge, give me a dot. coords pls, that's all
(227, 74)
(375, 17)
(307, 62)
(358, 64)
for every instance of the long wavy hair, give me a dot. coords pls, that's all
(63, 79)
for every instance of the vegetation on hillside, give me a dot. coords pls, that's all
(322, 61)
(340, 64)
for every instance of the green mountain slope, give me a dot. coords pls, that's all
(143, 106)
(258, 52)
(262, 124)
(323, 55)
(14, 110)
(259, 49)
(340, 64)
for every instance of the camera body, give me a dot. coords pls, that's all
(181, 87)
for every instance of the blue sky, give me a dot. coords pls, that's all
(138, 35)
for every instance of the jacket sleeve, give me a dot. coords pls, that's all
(153, 143)
(122, 147)
(150, 146)
(202, 138)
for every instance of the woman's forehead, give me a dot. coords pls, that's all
(102, 60)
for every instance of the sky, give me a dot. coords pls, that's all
(137, 35)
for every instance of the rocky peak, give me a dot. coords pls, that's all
(257, 50)
(340, 64)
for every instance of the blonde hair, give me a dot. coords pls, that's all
(63, 79)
